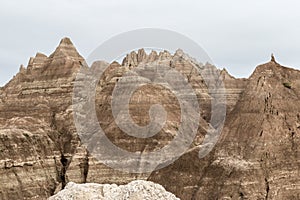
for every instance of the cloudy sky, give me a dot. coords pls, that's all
(237, 35)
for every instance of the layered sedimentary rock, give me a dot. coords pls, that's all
(132, 191)
(40, 150)
(37, 135)
(258, 155)
(234, 88)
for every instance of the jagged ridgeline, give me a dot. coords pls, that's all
(257, 156)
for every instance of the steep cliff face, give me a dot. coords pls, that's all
(37, 134)
(258, 155)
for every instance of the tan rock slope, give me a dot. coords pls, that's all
(258, 155)
(37, 135)
(256, 158)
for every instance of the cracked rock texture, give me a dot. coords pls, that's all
(134, 190)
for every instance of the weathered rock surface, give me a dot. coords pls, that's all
(258, 155)
(40, 150)
(256, 158)
(134, 190)
(37, 138)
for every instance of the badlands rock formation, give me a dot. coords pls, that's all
(134, 190)
(40, 147)
(257, 156)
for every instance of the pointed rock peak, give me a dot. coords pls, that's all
(164, 52)
(273, 58)
(66, 49)
(115, 63)
(141, 55)
(134, 58)
(226, 74)
(141, 51)
(268, 69)
(37, 61)
(224, 71)
(66, 41)
(152, 56)
(40, 55)
(133, 53)
(179, 52)
(153, 53)
(164, 55)
(22, 68)
(187, 57)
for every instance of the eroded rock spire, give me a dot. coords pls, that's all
(273, 58)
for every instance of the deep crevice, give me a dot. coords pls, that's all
(61, 170)
(267, 188)
(62, 139)
(241, 195)
(261, 133)
(64, 163)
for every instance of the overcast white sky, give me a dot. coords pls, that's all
(237, 35)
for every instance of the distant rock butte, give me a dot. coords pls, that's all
(257, 156)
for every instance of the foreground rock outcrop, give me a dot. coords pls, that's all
(134, 190)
